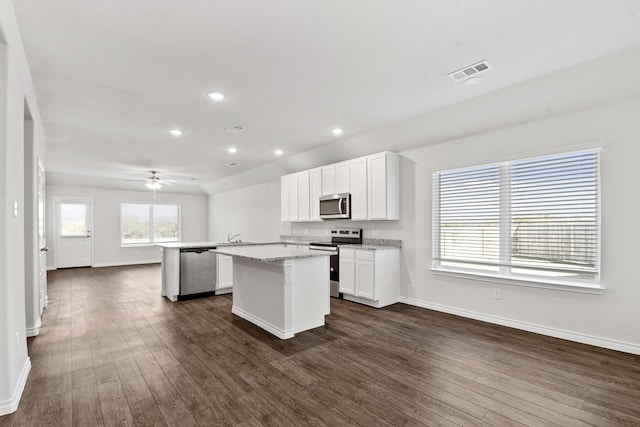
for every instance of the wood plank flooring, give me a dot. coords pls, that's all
(113, 352)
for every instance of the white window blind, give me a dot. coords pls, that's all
(534, 217)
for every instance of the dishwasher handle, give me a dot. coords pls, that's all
(195, 250)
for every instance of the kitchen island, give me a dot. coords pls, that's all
(282, 288)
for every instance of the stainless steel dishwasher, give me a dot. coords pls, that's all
(197, 271)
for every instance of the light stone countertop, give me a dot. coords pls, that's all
(270, 252)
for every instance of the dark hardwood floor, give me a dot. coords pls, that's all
(113, 352)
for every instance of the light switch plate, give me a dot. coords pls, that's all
(15, 208)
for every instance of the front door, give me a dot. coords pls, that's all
(74, 222)
(42, 239)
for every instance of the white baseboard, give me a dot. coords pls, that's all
(530, 327)
(120, 264)
(280, 333)
(11, 405)
(32, 332)
(51, 268)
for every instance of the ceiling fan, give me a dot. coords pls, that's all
(154, 182)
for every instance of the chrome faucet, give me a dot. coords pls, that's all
(230, 238)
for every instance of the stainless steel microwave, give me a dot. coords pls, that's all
(335, 206)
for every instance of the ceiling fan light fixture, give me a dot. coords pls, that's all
(153, 185)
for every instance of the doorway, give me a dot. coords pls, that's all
(74, 225)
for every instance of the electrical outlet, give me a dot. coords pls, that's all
(497, 293)
(306, 231)
(374, 233)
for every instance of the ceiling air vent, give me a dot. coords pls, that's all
(471, 71)
(235, 129)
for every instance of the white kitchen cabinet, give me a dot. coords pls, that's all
(343, 177)
(328, 180)
(371, 277)
(315, 191)
(373, 182)
(293, 198)
(383, 186)
(358, 177)
(284, 198)
(347, 271)
(304, 195)
(224, 281)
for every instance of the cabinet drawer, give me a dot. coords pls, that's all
(347, 253)
(365, 255)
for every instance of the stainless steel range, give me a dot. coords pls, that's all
(341, 236)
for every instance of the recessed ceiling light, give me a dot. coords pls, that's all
(279, 152)
(337, 131)
(175, 132)
(216, 96)
(232, 164)
(232, 150)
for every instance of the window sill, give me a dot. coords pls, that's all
(559, 285)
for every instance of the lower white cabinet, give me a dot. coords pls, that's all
(224, 281)
(370, 277)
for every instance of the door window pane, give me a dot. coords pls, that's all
(73, 219)
(165, 223)
(135, 223)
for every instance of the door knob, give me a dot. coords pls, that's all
(45, 249)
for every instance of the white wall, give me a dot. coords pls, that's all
(194, 211)
(253, 211)
(16, 90)
(609, 319)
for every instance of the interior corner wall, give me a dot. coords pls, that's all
(16, 89)
(106, 222)
(253, 211)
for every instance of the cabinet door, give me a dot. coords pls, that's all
(224, 271)
(347, 275)
(377, 191)
(315, 191)
(293, 198)
(284, 198)
(365, 286)
(342, 177)
(303, 196)
(359, 188)
(328, 180)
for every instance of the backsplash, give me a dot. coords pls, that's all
(365, 241)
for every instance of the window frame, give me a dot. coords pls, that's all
(504, 275)
(151, 242)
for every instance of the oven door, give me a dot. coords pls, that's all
(335, 206)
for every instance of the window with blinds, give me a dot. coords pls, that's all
(534, 217)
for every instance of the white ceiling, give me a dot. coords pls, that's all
(112, 77)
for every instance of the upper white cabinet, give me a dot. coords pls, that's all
(304, 195)
(294, 207)
(342, 177)
(328, 179)
(373, 182)
(315, 191)
(299, 196)
(359, 189)
(383, 186)
(284, 198)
